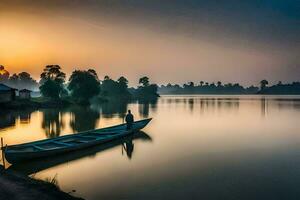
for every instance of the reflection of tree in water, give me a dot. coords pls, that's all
(83, 118)
(153, 105)
(229, 103)
(25, 117)
(145, 105)
(8, 118)
(263, 106)
(52, 122)
(207, 104)
(111, 108)
(191, 104)
(144, 109)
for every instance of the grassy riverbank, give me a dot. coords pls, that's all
(14, 186)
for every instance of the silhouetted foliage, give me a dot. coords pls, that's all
(53, 72)
(145, 90)
(263, 84)
(207, 88)
(52, 80)
(144, 81)
(230, 88)
(14, 79)
(84, 85)
(123, 84)
(19, 81)
(51, 89)
(3, 74)
(25, 81)
(292, 88)
(111, 88)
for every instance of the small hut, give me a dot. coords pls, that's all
(7, 94)
(25, 94)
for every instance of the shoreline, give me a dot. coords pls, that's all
(16, 186)
(35, 103)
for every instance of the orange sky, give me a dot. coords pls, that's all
(30, 40)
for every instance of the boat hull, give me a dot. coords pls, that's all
(115, 132)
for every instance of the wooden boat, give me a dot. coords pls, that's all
(34, 166)
(49, 147)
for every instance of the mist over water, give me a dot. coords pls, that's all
(212, 147)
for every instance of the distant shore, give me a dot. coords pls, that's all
(17, 186)
(231, 89)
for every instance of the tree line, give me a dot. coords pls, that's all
(19, 81)
(81, 87)
(230, 88)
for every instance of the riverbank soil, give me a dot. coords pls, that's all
(14, 186)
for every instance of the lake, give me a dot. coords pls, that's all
(197, 147)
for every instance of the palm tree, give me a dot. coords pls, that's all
(201, 83)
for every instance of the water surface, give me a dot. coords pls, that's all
(201, 147)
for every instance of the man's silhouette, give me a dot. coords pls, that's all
(129, 120)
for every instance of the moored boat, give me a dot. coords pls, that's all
(34, 166)
(49, 147)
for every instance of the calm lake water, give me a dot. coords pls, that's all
(198, 147)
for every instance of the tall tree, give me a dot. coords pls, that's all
(14, 80)
(123, 84)
(94, 73)
(52, 80)
(84, 85)
(144, 81)
(53, 72)
(107, 77)
(26, 81)
(263, 84)
(147, 91)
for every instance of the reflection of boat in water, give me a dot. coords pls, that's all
(34, 166)
(67, 143)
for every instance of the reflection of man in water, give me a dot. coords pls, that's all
(128, 146)
(129, 120)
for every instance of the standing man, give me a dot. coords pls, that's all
(129, 120)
